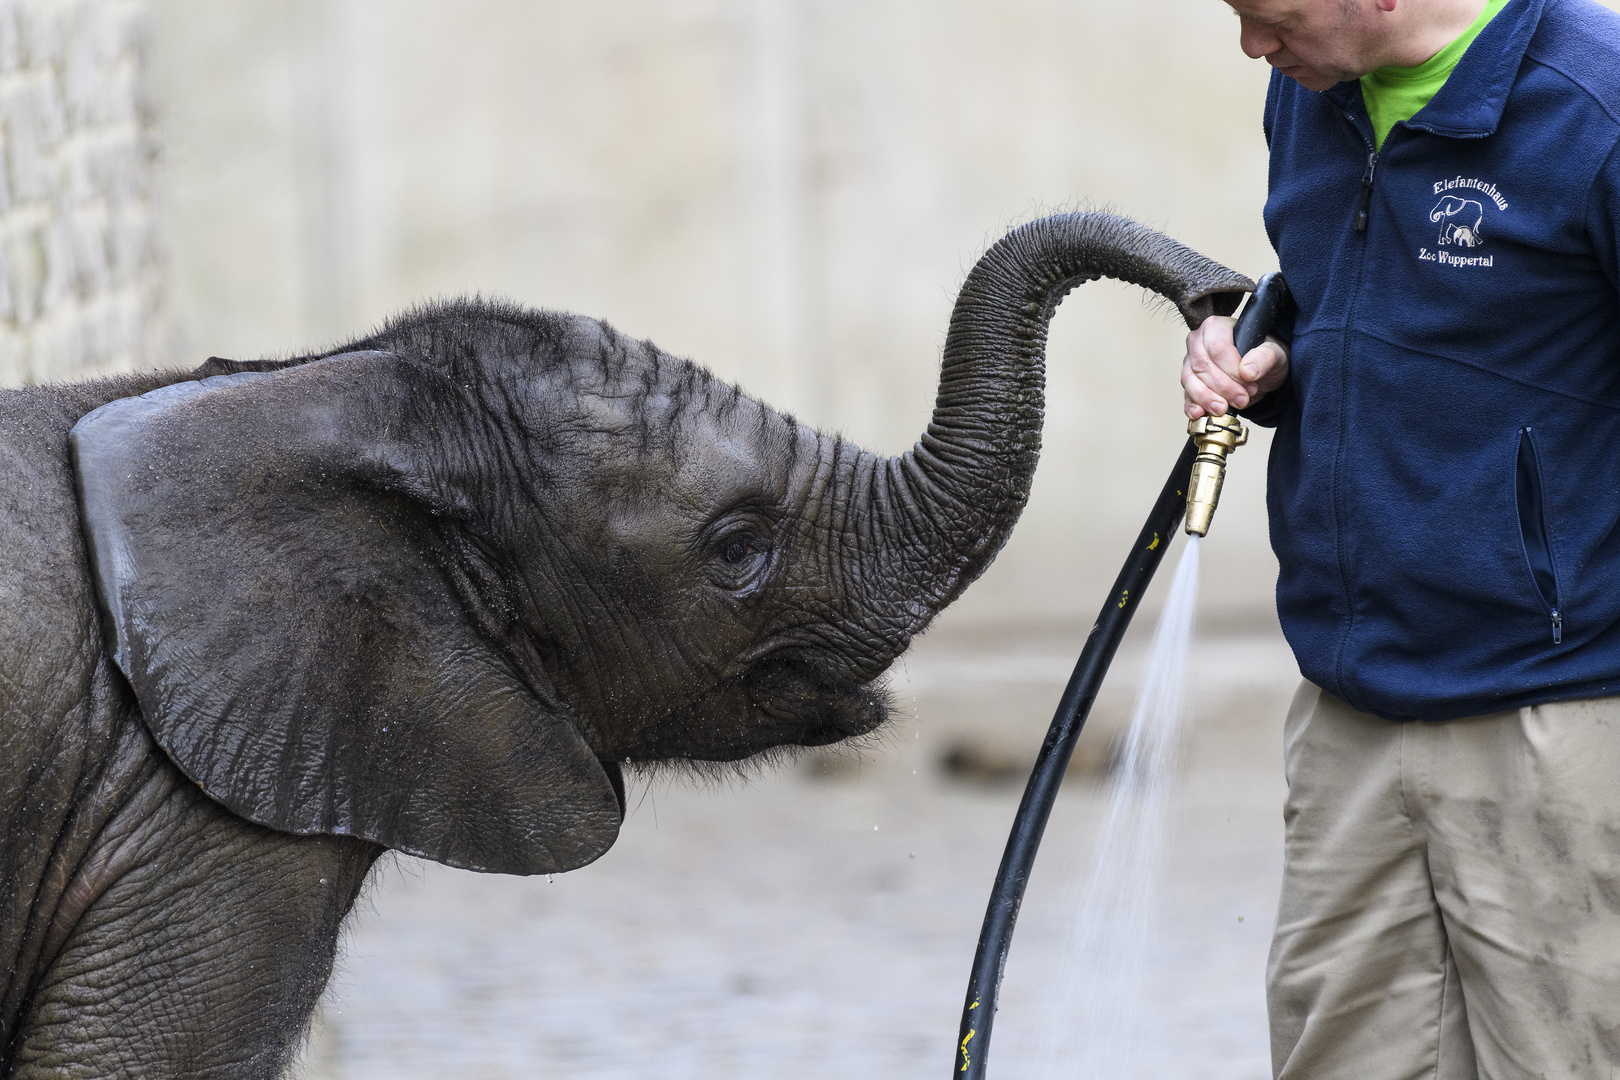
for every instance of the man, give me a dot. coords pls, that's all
(1444, 494)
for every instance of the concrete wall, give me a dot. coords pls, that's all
(80, 269)
(788, 190)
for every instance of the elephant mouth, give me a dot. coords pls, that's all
(825, 710)
(780, 701)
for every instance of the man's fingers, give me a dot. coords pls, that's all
(1217, 380)
(1213, 376)
(1212, 343)
(1260, 361)
(1200, 398)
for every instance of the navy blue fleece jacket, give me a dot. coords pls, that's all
(1444, 486)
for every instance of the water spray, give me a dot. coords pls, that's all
(1191, 492)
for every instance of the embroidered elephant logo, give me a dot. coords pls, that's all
(1461, 218)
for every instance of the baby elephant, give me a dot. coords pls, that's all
(433, 591)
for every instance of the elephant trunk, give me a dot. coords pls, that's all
(938, 513)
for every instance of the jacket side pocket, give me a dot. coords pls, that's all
(1533, 531)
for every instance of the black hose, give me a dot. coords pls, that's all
(1053, 761)
(979, 1012)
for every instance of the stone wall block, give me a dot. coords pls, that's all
(81, 266)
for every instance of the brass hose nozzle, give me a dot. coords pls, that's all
(1216, 437)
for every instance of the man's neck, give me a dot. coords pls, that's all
(1417, 29)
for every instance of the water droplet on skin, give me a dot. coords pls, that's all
(323, 882)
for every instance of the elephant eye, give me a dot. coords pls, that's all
(739, 548)
(739, 552)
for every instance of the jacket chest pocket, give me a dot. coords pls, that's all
(1533, 531)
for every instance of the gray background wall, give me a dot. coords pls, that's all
(81, 267)
(788, 191)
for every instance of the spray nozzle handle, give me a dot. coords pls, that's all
(1258, 316)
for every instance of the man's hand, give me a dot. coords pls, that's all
(1214, 378)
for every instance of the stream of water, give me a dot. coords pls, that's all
(1115, 919)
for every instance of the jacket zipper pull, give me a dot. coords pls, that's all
(1366, 191)
(1558, 626)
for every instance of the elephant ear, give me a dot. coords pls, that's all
(270, 554)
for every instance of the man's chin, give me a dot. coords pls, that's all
(1309, 78)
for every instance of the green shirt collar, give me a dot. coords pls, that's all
(1395, 94)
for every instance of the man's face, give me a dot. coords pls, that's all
(1317, 43)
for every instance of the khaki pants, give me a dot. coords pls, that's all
(1451, 898)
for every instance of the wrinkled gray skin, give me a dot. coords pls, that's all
(430, 591)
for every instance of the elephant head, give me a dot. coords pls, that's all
(435, 587)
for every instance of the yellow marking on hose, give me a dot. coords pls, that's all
(966, 1061)
(1124, 597)
(1155, 542)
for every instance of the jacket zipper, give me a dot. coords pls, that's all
(1366, 190)
(1533, 530)
(1363, 211)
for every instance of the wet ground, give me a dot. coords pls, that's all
(819, 920)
